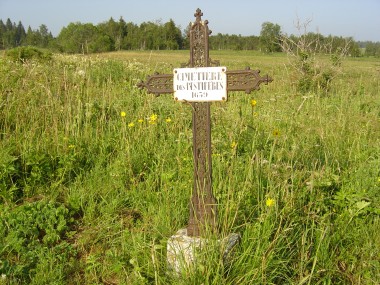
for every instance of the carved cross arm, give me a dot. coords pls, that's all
(237, 80)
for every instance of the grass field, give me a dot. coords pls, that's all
(96, 175)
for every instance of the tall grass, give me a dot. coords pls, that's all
(96, 175)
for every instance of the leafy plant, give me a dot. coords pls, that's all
(9, 169)
(28, 232)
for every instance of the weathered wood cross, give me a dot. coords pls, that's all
(203, 207)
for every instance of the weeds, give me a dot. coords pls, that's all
(313, 71)
(96, 175)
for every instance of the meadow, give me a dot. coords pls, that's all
(96, 174)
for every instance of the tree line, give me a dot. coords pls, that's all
(114, 35)
(14, 35)
(88, 38)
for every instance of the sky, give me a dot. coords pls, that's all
(347, 18)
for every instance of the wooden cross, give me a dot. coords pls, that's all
(203, 206)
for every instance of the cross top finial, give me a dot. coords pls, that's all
(198, 14)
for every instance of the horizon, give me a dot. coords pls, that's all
(159, 22)
(326, 17)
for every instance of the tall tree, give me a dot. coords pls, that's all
(45, 36)
(20, 34)
(122, 32)
(2, 33)
(9, 26)
(270, 37)
(372, 49)
(173, 37)
(131, 40)
(9, 37)
(115, 30)
(109, 28)
(83, 38)
(32, 38)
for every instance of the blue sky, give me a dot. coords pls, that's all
(357, 18)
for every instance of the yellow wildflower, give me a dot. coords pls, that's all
(233, 145)
(168, 120)
(269, 202)
(276, 133)
(123, 114)
(131, 125)
(140, 121)
(153, 119)
(253, 102)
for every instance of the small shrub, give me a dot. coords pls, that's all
(23, 54)
(313, 72)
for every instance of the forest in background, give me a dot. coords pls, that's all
(114, 35)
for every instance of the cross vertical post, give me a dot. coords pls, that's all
(203, 203)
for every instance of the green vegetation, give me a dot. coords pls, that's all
(89, 38)
(27, 53)
(119, 35)
(270, 37)
(96, 175)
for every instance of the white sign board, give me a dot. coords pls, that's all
(200, 84)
